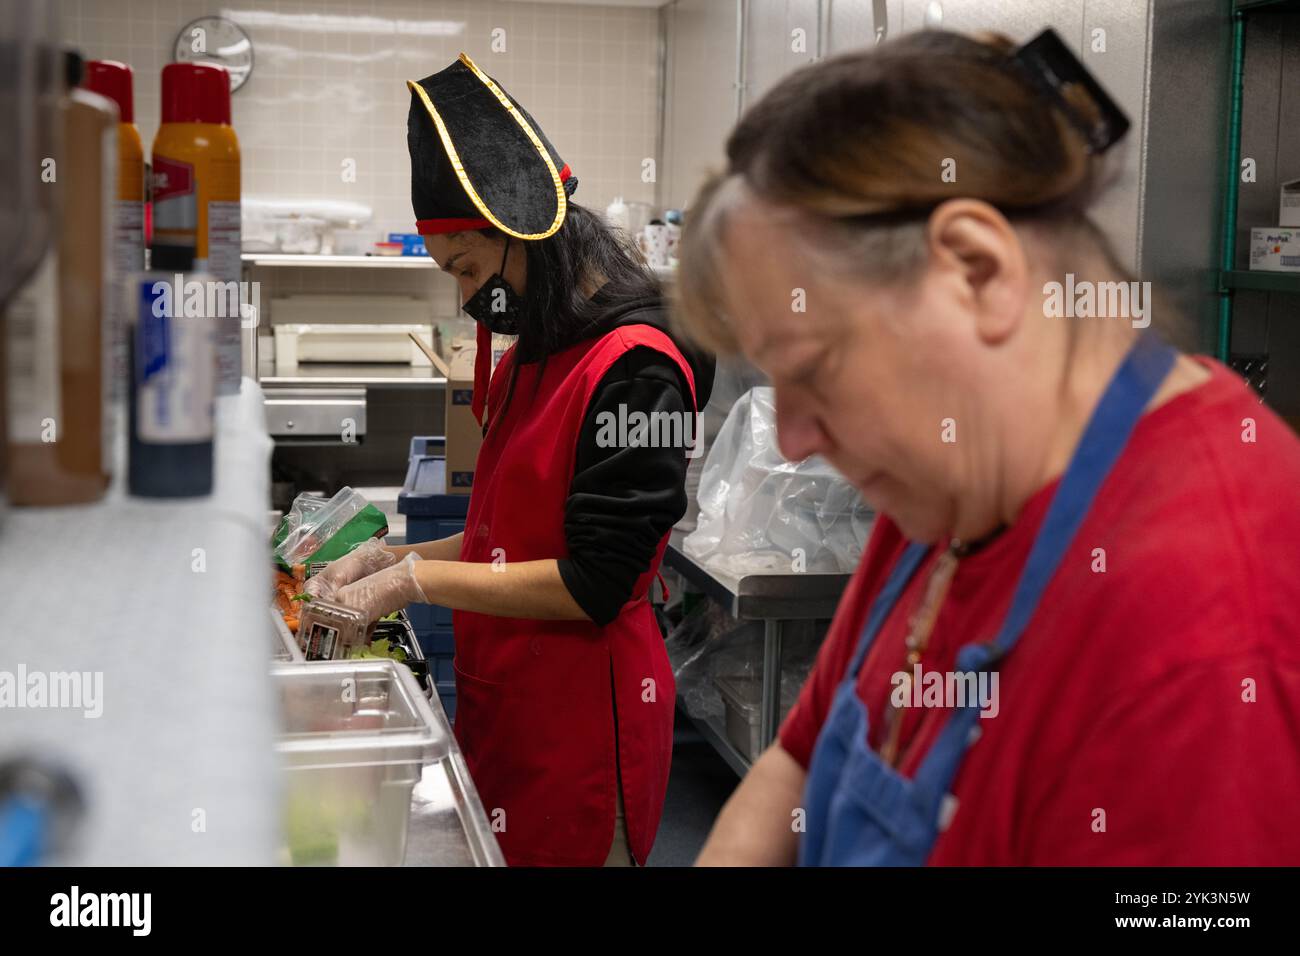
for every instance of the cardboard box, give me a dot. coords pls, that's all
(1275, 249)
(464, 434)
(1289, 208)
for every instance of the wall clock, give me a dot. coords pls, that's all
(220, 41)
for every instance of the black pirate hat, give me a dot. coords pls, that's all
(478, 159)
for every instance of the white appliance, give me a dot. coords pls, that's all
(346, 329)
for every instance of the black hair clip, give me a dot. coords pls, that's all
(1048, 62)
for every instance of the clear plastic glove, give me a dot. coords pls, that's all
(361, 562)
(384, 592)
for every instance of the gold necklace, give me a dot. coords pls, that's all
(920, 627)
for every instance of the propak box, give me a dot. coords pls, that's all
(1275, 249)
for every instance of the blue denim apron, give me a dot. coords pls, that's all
(863, 812)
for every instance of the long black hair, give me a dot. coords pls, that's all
(561, 270)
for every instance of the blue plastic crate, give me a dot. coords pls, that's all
(431, 529)
(447, 694)
(421, 616)
(444, 671)
(437, 642)
(431, 514)
(424, 491)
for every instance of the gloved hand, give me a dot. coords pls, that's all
(362, 561)
(384, 592)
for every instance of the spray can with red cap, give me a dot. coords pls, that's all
(114, 81)
(196, 187)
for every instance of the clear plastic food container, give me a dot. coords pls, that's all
(355, 736)
(284, 644)
(329, 631)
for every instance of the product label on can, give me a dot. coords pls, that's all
(128, 259)
(224, 263)
(175, 367)
(33, 360)
(223, 240)
(175, 203)
(110, 303)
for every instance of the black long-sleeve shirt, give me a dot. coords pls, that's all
(623, 499)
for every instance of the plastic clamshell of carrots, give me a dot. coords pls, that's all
(287, 586)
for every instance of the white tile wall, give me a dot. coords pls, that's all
(328, 85)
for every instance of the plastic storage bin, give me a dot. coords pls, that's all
(431, 514)
(741, 701)
(355, 737)
(429, 510)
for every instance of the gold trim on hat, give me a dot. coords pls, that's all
(561, 199)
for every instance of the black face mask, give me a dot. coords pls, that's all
(496, 305)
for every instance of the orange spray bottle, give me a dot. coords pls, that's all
(114, 80)
(196, 191)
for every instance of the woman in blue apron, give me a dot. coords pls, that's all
(1072, 514)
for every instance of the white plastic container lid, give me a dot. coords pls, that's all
(355, 713)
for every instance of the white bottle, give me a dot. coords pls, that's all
(616, 214)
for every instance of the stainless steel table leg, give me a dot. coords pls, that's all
(770, 713)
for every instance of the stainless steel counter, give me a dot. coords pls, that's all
(448, 826)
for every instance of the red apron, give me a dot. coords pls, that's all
(537, 701)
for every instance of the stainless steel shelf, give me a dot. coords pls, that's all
(1251, 6)
(795, 596)
(349, 262)
(323, 375)
(712, 730)
(1261, 280)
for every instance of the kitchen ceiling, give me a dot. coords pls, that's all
(600, 3)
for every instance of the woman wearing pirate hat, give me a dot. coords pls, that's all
(565, 696)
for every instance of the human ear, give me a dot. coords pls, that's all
(981, 256)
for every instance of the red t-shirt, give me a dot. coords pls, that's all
(1129, 692)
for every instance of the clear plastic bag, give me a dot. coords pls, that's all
(707, 642)
(732, 378)
(314, 528)
(760, 513)
(708, 646)
(304, 506)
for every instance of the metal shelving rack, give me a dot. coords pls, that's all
(786, 603)
(303, 260)
(1231, 278)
